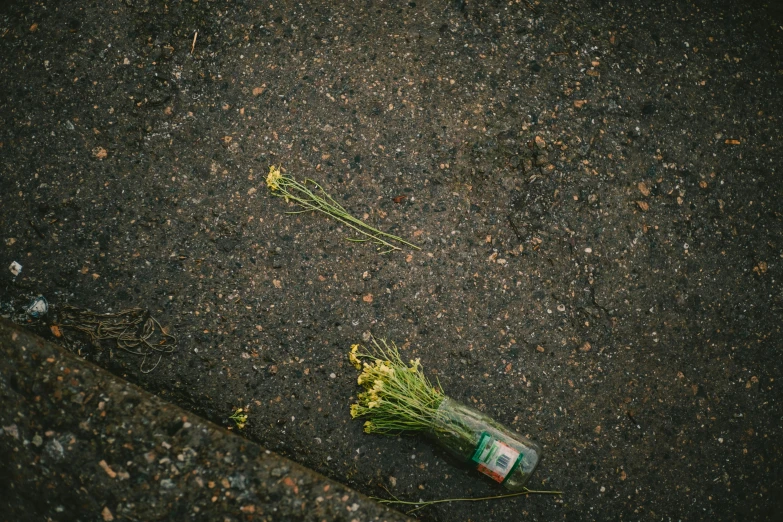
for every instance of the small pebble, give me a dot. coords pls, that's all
(332, 376)
(588, 250)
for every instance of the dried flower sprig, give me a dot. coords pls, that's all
(318, 200)
(239, 417)
(397, 397)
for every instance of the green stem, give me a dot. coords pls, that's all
(326, 204)
(425, 503)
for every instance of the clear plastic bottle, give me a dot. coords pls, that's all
(493, 449)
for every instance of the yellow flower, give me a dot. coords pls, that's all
(368, 427)
(386, 368)
(352, 357)
(378, 386)
(354, 411)
(272, 180)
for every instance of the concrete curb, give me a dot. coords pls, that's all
(78, 443)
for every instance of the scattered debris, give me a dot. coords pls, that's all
(133, 330)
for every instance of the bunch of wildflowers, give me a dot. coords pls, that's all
(397, 397)
(318, 200)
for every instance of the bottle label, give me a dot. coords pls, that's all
(495, 458)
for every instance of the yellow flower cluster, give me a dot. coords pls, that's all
(396, 396)
(239, 418)
(273, 178)
(372, 378)
(353, 358)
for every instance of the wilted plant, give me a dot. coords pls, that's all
(318, 200)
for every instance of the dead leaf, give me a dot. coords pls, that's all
(100, 152)
(257, 91)
(585, 346)
(732, 142)
(643, 205)
(643, 188)
(277, 283)
(367, 298)
(579, 103)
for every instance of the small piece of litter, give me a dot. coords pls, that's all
(15, 268)
(38, 307)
